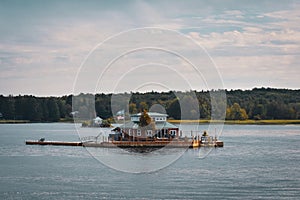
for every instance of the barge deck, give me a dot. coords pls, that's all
(130, 144)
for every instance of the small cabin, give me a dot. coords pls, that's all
(97, 121)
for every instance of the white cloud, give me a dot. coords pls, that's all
(260, 70)
(234, 13)
(255, 54)
(282, 41)
(239, 39)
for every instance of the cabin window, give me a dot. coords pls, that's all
(135, 119)
(173, 132)
(149, 133)
(160, 119)
(139, 132)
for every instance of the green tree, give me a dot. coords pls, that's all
(61, 107)
(259, 112)
(189, 107)
(45, 110)
(68, 109)
(20, 107)
(32, 110)
(53, 110)
(296, 107)
(8, 107)
(173, 109)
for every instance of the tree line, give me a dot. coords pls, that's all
(258, 103)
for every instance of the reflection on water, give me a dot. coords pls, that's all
(135, 162)
(256, 162)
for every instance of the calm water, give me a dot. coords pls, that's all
(257, 162)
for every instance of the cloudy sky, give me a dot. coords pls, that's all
(44, 44)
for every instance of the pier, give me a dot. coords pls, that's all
(130, 144)
(56, 143)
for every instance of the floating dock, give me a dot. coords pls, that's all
(56, 143)
(130, 144)
(152, 144)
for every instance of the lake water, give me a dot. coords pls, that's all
(257, 162)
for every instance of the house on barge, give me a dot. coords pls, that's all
(157, 128)
(145, 132)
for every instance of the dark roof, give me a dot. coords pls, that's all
(161, 125)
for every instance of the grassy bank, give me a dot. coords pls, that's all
(11, 121)
(66, 120)
(201, 121)
(259, 122)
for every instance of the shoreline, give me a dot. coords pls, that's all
(11, 121)
(21, 121)
(240, 122)
(200, 121)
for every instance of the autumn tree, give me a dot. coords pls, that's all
(145, 119)
(132, 108)
(143, 105)
(235, 112)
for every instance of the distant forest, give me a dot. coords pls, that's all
(258, 103)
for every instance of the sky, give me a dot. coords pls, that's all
(57, 47)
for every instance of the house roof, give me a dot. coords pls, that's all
(158, 125)
(151, 114)
(161, 125)
(130, 125)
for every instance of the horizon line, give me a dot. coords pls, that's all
(153, 91)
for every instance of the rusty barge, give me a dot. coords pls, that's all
(184, 143)
(144, 130)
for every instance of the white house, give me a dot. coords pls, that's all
(97, 121)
